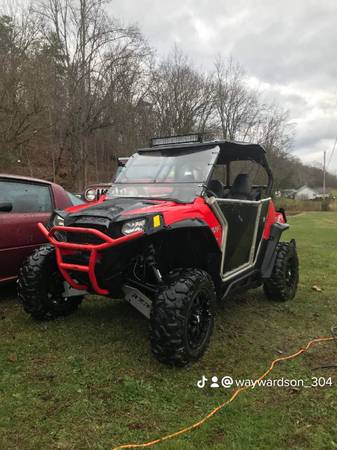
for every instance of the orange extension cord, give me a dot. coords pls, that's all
(227, 402)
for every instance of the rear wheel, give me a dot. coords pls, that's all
(182, 317)
(41, 287)
(282, 285)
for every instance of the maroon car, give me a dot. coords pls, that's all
(23, 203)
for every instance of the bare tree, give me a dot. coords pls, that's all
(78, 89)
(92, 52)
(181, 97)
(20, 106)
(236, 105)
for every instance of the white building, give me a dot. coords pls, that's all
(305, 193)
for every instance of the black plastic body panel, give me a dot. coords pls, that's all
(270, 254)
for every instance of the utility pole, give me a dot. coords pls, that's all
(324, 173)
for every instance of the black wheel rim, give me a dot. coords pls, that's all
(291, 273)
(199, 321)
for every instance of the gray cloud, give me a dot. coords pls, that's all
(288, 47)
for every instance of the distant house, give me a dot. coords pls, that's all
(305, 193)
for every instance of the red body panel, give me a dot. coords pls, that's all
(176, 212)
(273, 216)
(19, 234)
(172, 213)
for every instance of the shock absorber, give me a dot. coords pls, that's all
(150, 259)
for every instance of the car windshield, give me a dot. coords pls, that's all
(165, 174)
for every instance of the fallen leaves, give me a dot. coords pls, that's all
(316, 288)
(12, 357)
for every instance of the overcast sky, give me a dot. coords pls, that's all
(288, 48)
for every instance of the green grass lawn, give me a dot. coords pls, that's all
(89, 381)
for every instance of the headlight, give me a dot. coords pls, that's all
(133, 226)
(90, 195)
(58, 221)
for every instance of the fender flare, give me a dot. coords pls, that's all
(268, 262)
(188, 223)
(195, 223)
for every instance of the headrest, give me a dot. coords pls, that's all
(241, 186)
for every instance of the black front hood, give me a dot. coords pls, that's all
(108, 210)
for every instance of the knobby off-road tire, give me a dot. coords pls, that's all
(282, 284)
(40, 287)
(182, 317)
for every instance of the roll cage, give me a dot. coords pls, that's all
(242, 217)
(239, 151)
(229, 151)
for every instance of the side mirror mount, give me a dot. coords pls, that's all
(6, 207)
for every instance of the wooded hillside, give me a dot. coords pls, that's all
(78, 88)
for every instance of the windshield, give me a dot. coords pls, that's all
(165, 174)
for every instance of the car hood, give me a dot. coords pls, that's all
(118, 209)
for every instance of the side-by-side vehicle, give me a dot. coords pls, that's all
(185, 224)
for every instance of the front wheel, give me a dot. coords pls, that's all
(282, 285)
(182, 317)
(41, 287)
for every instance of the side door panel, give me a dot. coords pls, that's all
(245, 224)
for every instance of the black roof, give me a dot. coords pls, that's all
(229, 150)
(236, 151)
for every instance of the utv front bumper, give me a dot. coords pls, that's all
(66, 248)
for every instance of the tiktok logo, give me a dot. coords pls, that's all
(202, 383)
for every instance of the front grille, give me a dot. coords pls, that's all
(80, 258)
(83, 238)
(97, 223)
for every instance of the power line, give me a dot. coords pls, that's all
(324, 173)
(332, 152)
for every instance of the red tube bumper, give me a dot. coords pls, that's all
(62, 248)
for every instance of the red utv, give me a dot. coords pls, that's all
(24, 202)
(184, 224)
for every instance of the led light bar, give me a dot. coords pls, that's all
(171, 140)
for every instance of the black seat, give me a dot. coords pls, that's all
(241, 188)
(217, 187)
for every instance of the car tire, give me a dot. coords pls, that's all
(41, 287)
(182, 317)
(282, 285)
